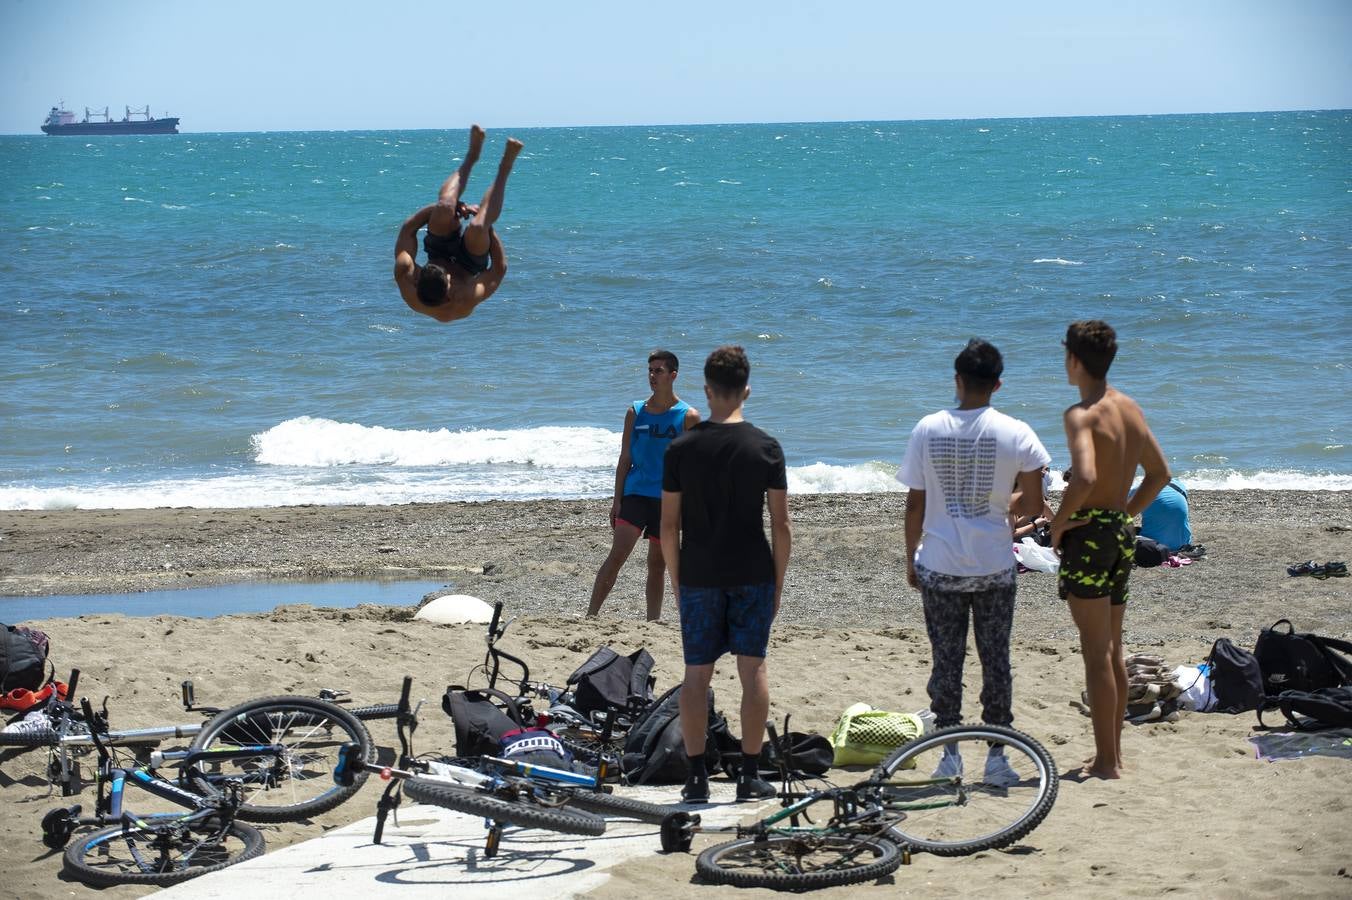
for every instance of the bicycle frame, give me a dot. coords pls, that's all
(59, 824)
(350, 762)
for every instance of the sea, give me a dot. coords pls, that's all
(209, 320)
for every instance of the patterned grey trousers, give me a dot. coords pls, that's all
(949, 602)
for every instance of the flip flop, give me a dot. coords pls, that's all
(1306, 568)
(1335, 569)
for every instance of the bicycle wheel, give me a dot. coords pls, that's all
(948, 811)
(162, 852)
(798, 862)
(625, 807)
(513, 812)
(299, 783)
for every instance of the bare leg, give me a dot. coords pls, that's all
(1093, 618)
(622, 544)
(1119, 661)
(476, 233)
(657, 574)
(695, 707)
(444, 220)
(755, 702)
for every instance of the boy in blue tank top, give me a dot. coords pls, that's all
(636, 511)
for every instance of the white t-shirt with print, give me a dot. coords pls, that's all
(966, 462)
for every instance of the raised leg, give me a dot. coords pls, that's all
(444, 219)
(476, 233)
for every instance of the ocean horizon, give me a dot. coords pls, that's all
(208, 319)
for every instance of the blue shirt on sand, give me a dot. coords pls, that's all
(1166, 518)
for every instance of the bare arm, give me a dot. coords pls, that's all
(671, 539)
(406, 244)
(915, 526)
(781, 537)
(1080, 438)
(691, 418)
(626, 462)
(1027, 498)
(1156, 475)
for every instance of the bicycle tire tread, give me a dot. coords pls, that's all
(527, 815)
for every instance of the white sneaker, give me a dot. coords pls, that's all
(999, 773)
(950, 764)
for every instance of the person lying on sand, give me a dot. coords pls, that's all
(463, 268)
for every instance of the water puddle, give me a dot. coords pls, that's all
(222, 600)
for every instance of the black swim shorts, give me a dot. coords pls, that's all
(452, 247)
(644, 513)
(1096, 557)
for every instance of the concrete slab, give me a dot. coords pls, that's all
(433, 851)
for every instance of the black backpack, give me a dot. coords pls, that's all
(1329, 707)
(1150, 554)
(23, 658)
(1235, 678)
(609, 681)
(1300, 662)
(654, 751)
(481, 718)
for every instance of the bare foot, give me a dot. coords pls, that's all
(513, 147)
(1108, 773)
(476, 143)
(1089, 764)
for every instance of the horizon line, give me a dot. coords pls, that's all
(1235, 112)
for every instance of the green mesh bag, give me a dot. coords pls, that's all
(865, 736)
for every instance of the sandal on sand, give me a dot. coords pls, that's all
(1330, 570)
(1192, 551)
(1305, 568)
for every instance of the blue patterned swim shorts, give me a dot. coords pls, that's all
(718, 620)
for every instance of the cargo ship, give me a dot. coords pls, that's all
(136, 121)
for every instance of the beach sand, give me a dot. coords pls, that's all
(1197, 814)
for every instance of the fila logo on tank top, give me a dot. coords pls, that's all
(653, 433)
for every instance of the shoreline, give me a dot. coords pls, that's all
(540, 557)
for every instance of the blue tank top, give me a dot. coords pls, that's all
(653, 433)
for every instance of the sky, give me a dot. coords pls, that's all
(250, 65)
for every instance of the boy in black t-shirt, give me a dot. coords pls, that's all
(727, 577)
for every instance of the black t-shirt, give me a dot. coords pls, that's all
(722, 472)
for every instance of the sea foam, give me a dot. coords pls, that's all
(308, 441)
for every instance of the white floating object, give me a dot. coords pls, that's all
(455, 609)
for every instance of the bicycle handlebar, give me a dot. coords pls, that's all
(404, 693)
(88, 709)
(493, 625)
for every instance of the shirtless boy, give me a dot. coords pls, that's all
(463, 268)
(1108, 439)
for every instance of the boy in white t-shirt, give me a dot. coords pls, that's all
(967, 469)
